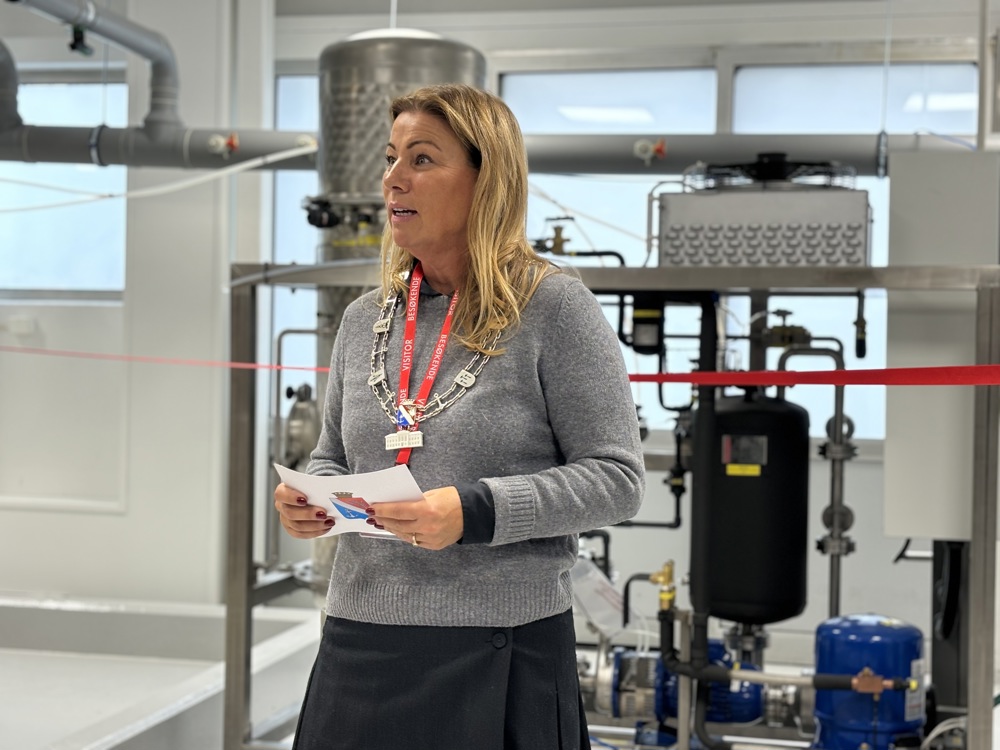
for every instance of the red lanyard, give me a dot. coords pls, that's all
(407, 410)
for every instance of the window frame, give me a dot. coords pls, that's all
(727, 60)
(96, 73)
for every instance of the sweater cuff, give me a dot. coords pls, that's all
(515, 511)
(478, 513)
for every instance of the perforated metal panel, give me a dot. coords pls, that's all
(359, 77)
(755, 227)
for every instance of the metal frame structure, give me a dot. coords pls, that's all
(245, 590)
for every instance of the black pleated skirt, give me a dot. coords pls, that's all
(386, 687)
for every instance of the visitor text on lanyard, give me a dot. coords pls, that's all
(407, 436)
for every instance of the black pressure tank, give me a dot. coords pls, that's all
(757, 524)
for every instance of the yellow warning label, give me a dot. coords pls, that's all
(743, 470)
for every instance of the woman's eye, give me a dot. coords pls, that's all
(389, 160)
(422, 159)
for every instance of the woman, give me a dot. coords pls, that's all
(500, 383)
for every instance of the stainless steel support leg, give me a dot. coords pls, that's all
(239, 518)
(982, 569)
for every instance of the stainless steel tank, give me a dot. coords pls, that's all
(359, 77)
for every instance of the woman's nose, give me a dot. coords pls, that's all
(394, 176)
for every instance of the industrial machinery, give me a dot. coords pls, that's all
(868, 686)
(768, 212)
(748, 453)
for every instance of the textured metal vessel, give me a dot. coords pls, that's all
(358, 78)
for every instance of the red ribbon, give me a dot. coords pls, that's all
(951, 375)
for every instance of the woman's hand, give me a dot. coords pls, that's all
(301, 520)
(434, 523)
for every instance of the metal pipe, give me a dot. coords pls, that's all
(162, 141)
(272, 530)
(9, 117)
(836, 435)
(602, 730)
(981, 623)
(240, 574)
(164, 86)
(768, 678)
(613, 154)
(139, 147)
(985, 100)
(763, 743)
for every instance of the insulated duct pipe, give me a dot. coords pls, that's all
(151, 45)
(615, 154)
(9, 118)
(138, 147)
(162, 141)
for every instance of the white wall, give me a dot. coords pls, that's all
(112, 477)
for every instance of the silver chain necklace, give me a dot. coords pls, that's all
(438, 402)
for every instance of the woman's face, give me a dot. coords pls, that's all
(427, 186)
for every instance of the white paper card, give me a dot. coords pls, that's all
(345, 497)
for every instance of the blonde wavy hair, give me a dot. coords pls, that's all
(504, 270)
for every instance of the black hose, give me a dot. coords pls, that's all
(598, 254)
(627, 340)
(832, 681)
(650, 524)
(667, 651)
(700, 709)
(625, 595)
(699, 641)
(704, 462)
(675, 479)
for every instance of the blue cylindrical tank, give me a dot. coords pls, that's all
(888, 647)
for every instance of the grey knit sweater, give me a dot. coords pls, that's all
(549, 426)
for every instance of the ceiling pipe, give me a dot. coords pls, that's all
(175, 146)
(191, 148)
(161, 141)
(985, 82)
(9, 117)
(616, 154)
(164, 84)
